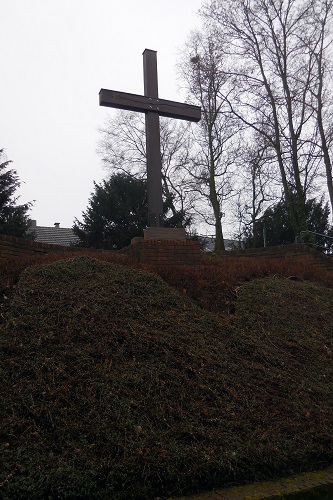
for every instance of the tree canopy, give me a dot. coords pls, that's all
(276, 225)
(123, 150)
(271, 49)
(117, 212)
(261, 71)
(14, 220)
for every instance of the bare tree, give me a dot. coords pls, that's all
(122, 148)
(257, 186)
(218, 132)
(322, 53)
(267, 50)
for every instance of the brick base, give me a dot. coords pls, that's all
(161, 252)
(165, 233)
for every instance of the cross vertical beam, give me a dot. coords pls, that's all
(153, 107)
(154, 164)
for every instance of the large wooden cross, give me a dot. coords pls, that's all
(153, 107)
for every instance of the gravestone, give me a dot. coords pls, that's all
(153, 107)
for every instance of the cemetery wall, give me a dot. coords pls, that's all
(145, 251)
(11, 246)
(166, 252)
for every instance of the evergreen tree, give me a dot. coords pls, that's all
(117, 212)
(14, 220)
(276, 225)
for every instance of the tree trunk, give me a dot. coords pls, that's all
(327, 159)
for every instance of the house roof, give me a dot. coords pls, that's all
(56, 235)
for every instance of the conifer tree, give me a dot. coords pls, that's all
(14, 220)
(118, 212)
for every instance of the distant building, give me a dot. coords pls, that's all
(209, 243)
(56, 235)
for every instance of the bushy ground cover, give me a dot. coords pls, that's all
(121, 383)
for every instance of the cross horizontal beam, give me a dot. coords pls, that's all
(143, 104)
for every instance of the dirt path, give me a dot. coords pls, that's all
(269, 489)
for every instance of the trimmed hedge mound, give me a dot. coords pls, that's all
(115, 385)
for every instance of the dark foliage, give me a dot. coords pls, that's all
(173, 217)
(276, 223)
(114, 385)
(14, 219)
(117, 212)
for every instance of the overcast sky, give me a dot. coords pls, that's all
(55, 57)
